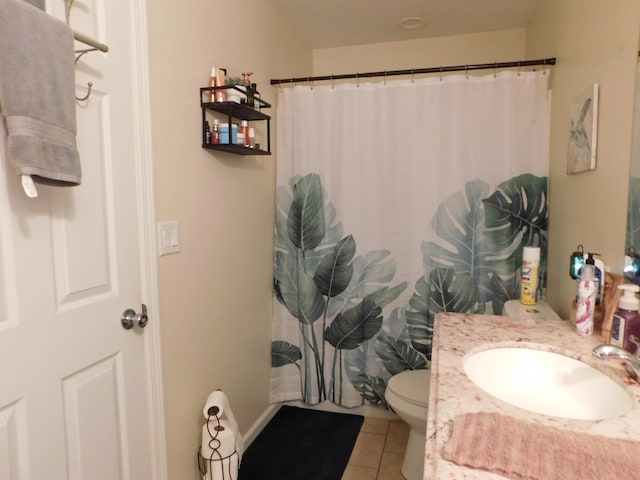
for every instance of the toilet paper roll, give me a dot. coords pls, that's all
(217, 405)
(219, 451)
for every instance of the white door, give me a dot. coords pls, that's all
(74, 385)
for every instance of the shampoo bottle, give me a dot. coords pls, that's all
(586, 300)
(625, 331)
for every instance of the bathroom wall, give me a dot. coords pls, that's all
(595, 41)
(488, 47)
(215, 295)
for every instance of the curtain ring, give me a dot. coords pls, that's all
(412, 75)
(440, 72)
(466, 71)
(357, 80)
(310, 82)
(544, 66)
(495, 70)
(519, 66)
(385, 78)
(333, 84)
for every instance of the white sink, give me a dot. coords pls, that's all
(547, 383)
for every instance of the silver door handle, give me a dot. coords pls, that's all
(130, 318)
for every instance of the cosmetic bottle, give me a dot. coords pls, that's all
(213, 82)
(586, 300)
(215, 133)
(247, 83)
(256, 96)
(529, 275)
(207, 133)
(625, 331)
(598, 272)
(244, 130)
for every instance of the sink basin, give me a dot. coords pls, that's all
(548, 383)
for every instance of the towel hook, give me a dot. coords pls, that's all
(89, 84)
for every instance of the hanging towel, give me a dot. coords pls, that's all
(522, 450)
(36, 3)
(37, 94)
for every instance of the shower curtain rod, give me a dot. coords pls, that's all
(413, 71)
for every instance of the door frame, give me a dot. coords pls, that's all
(145, 202)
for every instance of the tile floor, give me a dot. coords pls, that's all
(379, 450)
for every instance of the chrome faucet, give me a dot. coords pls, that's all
(631, 362)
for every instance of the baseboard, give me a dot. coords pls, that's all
(364, 410)
(253, 431)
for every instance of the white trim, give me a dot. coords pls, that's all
(253, 431)
(147, 240)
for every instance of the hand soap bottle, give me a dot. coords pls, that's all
(586, 300)
(625, 331)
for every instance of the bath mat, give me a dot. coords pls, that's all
(523, 450)
(301, 444)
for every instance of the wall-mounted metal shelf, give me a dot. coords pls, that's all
(237, 111)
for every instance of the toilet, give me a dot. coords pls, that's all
(408, 396)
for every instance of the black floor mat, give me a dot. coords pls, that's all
(301, 444)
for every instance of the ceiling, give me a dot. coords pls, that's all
(337, 23)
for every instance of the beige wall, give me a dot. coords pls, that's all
(595, 41)
(490, 47)
(215, 295)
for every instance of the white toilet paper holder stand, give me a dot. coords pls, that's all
(221, 450)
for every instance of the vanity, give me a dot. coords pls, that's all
(458, 336)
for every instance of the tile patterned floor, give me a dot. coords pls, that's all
(379, 450)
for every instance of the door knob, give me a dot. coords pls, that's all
(130, 318)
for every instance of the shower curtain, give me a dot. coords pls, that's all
(395, 201)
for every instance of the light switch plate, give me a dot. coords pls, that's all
(168, 237)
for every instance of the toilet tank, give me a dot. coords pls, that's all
(541, 310)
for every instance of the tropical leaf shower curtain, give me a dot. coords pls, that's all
(397, 201)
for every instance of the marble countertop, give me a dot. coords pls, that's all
(452, 393)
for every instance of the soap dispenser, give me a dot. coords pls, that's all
(625, 331)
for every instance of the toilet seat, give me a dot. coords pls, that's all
(412, 386)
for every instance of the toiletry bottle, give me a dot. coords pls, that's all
(215, 133)
(213, 82)
(221, 76)
(207, 133)
(599, 273)
(586, 300)
(625, 331)
(256, 96)
(247, 83)
(244, 129)
(529, 275)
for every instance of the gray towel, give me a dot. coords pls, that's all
(37, 94)
(36, 3)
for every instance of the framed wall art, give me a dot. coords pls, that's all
(583, 131)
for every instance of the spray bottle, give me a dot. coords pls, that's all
(586, 300)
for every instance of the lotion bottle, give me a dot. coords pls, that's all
(625, 331)
(586, 300)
